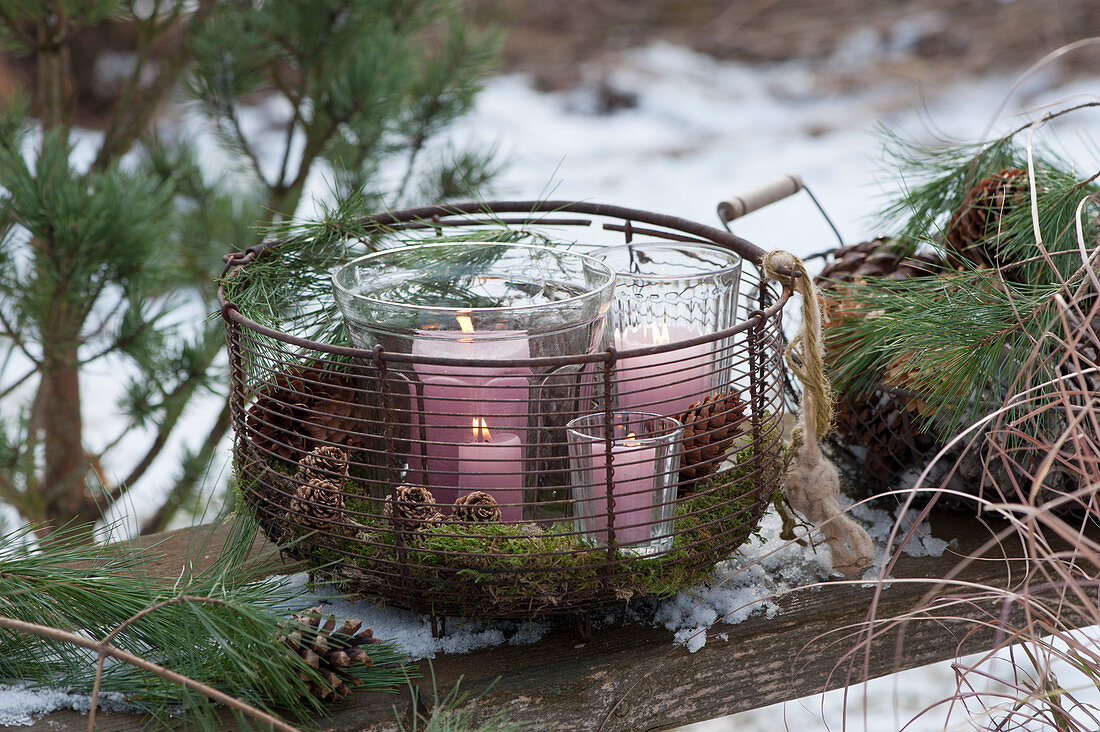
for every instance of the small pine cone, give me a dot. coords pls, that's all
(971, 233)
(329, 652)
(318, 504)
(414, 508)
(477, 506)
(330, 463)
(710, 429)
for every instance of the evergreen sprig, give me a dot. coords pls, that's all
(289, 287)
(230, 642)
(960, 341)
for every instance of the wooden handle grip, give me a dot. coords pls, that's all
(737, 206)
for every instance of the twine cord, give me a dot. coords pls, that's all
(811, 484)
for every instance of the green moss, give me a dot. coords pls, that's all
(710, 524)
(493, 569)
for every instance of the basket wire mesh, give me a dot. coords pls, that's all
(352, 515)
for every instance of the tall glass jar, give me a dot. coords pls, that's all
(670, 292)
(481, 423)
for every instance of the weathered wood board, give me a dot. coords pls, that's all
(633, 678)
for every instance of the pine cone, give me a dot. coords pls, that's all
(885, 426)
(477, 506)
(972, 231)
(413, 509)
(306, 407)
(880, 257)
(710, 429)
(318, 504)
(330, 653)
(330, 463)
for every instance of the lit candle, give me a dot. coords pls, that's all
(454, 394)
(634, 489)
(493, 463)
(663, 383)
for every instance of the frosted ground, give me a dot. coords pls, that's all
(701, 130)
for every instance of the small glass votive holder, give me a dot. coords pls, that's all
(638, 502)
(667, 292)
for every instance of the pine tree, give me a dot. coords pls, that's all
(98, 260)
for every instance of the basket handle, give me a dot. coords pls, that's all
(756, 198)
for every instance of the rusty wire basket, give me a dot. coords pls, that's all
(334, 444)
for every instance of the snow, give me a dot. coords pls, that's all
(20, 705)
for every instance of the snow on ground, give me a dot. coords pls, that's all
(702, 130)
(20, 706)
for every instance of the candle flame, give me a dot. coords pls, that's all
(465, 323)
(661, 335)
(630, 441)
(481, 430)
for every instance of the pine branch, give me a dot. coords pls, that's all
(242, 143)
(176, 402)
(25, 37)
(13, 334)
(284, 199)
(129, 121)
(104, 649)
(961, 341)
(17, 383)
(217, 628)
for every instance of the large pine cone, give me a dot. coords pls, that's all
(853, 264)
(884, 429)
(972, 231)
(711, 428)
(329, 652)
(306, 407)
(412, 508)
(880, 257)
(477, 506)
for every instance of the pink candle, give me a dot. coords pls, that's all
(493, 463)
(663, 383)
(455, 394)
(634, 490)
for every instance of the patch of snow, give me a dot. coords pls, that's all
(863, 46)
(412, 633)
(21, 705)
(907, 33)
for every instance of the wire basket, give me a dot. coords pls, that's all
(333, 447)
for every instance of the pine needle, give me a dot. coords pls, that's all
(961, 339)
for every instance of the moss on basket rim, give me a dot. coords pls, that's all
(491, 568)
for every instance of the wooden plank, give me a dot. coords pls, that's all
(630, 678)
